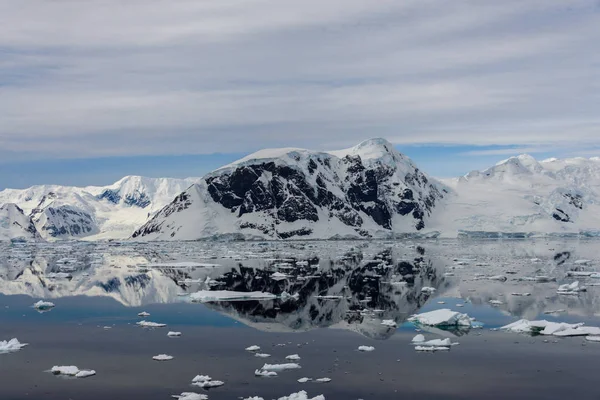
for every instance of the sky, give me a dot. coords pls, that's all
(92, 91)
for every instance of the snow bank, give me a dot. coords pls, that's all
(11, 345)
(442, 317)
(207, 296)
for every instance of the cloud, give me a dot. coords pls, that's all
(114, 78)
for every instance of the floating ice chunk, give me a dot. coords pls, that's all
(495, 302)
(190, 396)
(521, 294)
(11, 345)
(304, 380)
(580, 273)
(280, 367)
(436, 343)
(253, 348)
(43, 305)
(85, 373)
(571, 288)
(174, 334)
(592, 338)
(389, 322)
(260, 372)
(148, 324)
(144, 314)
(293, 357)
(205, 381)
(323, 380)
(71, 370)
(262, 355)
(544, 327)
(253, 398)
(442, 317)
(162, 357)
(208, 296)
(301, 395)
(279, 276)
(418, 339)
(428, 290)
(431, 348)
(500, 278)
(366, 348)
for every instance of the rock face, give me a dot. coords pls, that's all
(15, 225)
(370, 190)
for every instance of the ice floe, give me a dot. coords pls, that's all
(436, 343)
(262, 355)
(174, 334)
(253, 398)
(148, 324)
(544, 327)
(260, 372)
(418, 339)
(253, 348)
(304, 380)
(428, 290)
(43, 305)
(592, 338)
(432, 348)
(293, 357)
(206, 382)
(208, 296)
(12, 345)
(190, 396)
(366, 348)
(144, 314)
(495, 302)
(301, 395)
(442, 317)
(571, 288)
(71, 370)
(323, 380)
(280, 367)
(162, 357)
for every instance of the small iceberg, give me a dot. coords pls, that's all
(304, 380)
(253, 348)
(432, 348)
(190, 396)
(174, 334)
(366, 348)
(280, 367)
(495, 302)
(323, 380)
(211, 296)
(293, 357)
(592, 338)
(43, 305)
(301, 395)
(148, 324)
(144, 314)
(206, 382)
(266, 374)
(571, 288)
(71, 370)
(162, 357)
(418, 339)
(544, 327)
(262, 355)
(10, 346)
(442, 317)
(427, 290)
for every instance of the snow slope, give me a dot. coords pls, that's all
(110, 212)
(370, 190)
(15, 225)
(521, 196)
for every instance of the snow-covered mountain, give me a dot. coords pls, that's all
(370, 190)
(95, 212)
(15, 225)
(522, 196)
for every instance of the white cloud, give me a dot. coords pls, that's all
(109, 77)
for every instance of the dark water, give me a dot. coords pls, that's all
(326, 334)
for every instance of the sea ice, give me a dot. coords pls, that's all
(71, 370)
(207, 296)
(144, 314)
(173, 334)
(148, 324)
(11, 345)
(253, 348)
(302, 395)
(260, 372)
(442, 317)
(293, 357)
(544, 327)
(262, 355)
(418, 339)
(190, 396)
(162, 357)
(323, 380)
(205, 381)
(304, 380)
(43, 305)
(366, 348)
(280, 367)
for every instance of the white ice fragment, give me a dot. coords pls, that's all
(260, 372)
(253, 348)
(418, 339)
(279, 276)
(69, 370)
(366, 348)
(592, 338)
(293, 357)
(190, 396)
(84, 373)
(496, 302)
(43, 305)
(431, 348)
(389, 322)
(207, 296)
(162, 357)
(11, 345)
(301, 395)
(148, 324)
(521, 294)
(201, 378)
(571, 288)
(323, 380)
(442, 317)
(280, 367)
(205, 381)
(436, 343)
(144, 314)
(262, 355)
(304, 380)
(253, 398)
(544, 327)
(428, 290)
(173, 334)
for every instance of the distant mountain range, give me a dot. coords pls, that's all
(368, 191)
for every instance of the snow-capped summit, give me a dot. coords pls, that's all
(509, 169)
(366, 191)
(109, 212)
(15, 225)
